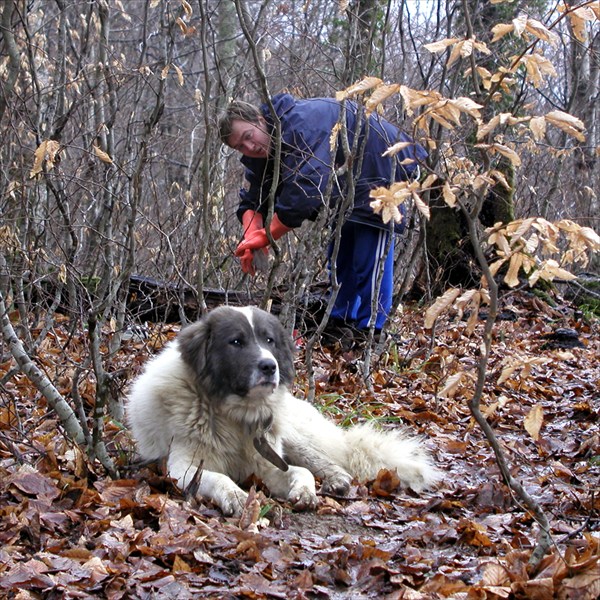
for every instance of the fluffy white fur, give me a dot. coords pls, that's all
(223, 382)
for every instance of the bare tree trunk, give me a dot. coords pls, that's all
(584, 75)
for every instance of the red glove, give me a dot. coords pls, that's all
(247, 262)
(258, 239)
(252, 221)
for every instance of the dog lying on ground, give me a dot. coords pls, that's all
(215, 403)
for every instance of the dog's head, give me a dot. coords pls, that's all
(243, 352)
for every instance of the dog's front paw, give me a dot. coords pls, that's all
(232, 502)
(337, 484)
(303, 498)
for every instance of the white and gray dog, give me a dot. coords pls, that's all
(216, 399)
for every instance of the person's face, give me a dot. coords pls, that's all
(251, 139)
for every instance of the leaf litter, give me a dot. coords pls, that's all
(68, 531)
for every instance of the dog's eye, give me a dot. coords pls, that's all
(270, 340)
(236, 342)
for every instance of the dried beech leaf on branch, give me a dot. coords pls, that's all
(549, 270)
(525, 243)
(179, 72)
(522, 25)
(386, 204)
(393, 150)
(464, 300)
(187, 8)
(449, 195)
(183, 26)
(387, 200)
(500, 178)
(382, 93)
(538, 128)
(342, 5)
(103, 156)
(567, 123)
(514, 266)
(421, 206)
(417, 98)
(441, 45)
(539, 30)
(439, 306)
(498, 120)
(468, 106)
(578, 18)
(366, 84)
(509, 153)
(333, 137)
(501, 30)
(537, 66)
(582, 242)
(46, 152)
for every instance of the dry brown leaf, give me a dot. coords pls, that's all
(568, 123)
(441, 45)
(533, 421)
(514, 266)
(449, 195)
(421, 206)
(386, 483)
(495, 575)
(179, 72)
(46, 152)
(334, 135)
(187, 8)
(509, 153)
(585, 586)
(362, 86)
(103, 156)
(393, 150)
(382, 93)
(549, 270)
(440, 305)
(501, 30)
(452, 385)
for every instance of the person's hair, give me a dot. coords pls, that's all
(237, 111)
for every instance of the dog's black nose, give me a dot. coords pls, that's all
(267, 366)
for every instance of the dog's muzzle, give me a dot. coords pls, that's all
(267, 372)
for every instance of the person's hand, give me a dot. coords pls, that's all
(247, 262)
(254, 240)
(251, 259)
(252, 221)
(258, 239)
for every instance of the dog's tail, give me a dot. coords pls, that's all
(369, 450)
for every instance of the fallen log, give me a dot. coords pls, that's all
(160, 301)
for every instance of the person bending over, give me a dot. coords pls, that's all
(306, 165)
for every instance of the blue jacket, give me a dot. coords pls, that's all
(306, 162)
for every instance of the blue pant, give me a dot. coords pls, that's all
(360, 258)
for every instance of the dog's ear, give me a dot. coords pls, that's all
(286, 350)
(193, 344)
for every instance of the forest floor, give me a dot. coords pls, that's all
(67, 530)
